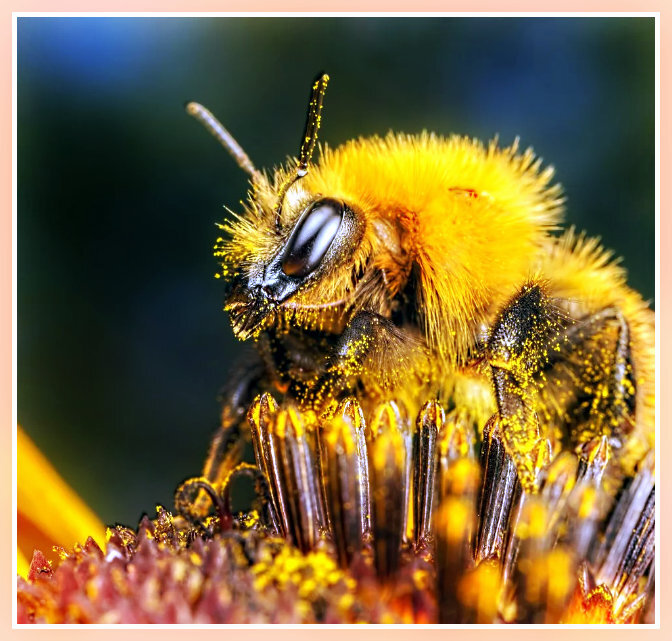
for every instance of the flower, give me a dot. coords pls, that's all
(49, 512)
(371, 520)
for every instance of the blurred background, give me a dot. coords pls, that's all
(122, 344)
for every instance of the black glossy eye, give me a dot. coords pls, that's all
(311, 238)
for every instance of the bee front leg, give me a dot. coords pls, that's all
(366, 333)
(195, 498)
(228, 441)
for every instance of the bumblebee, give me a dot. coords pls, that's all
(411, 267)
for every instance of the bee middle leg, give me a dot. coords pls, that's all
(592, 379)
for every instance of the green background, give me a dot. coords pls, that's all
(122, 344)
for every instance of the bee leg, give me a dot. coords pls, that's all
(228, 441)
(366, 332)
(578, 373)
(197, 496)
(526, 332)
(599, 361)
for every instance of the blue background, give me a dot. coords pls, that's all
(122, 344)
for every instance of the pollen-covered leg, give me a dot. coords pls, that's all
(368, 338)
(521, 343)
(592, 378)
(572, 381)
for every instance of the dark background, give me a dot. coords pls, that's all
(122, 344)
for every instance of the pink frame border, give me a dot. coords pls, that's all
(664, 577)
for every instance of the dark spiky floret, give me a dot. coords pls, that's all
(379, 521)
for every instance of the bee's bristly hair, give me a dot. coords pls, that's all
(208, 120)
(308, 141)
(468, 215)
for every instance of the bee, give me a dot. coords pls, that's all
(411, 267)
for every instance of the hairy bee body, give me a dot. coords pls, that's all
(417, 267)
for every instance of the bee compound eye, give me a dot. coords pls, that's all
(311, 238)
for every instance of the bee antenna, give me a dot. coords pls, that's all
(308, 141)
(313, 122)
(205, 117)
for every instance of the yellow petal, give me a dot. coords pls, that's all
(49, 512)
(22, 565)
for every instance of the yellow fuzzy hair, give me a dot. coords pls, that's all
(470, 217)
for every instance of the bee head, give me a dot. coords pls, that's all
(288, 242)
(302, 265)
